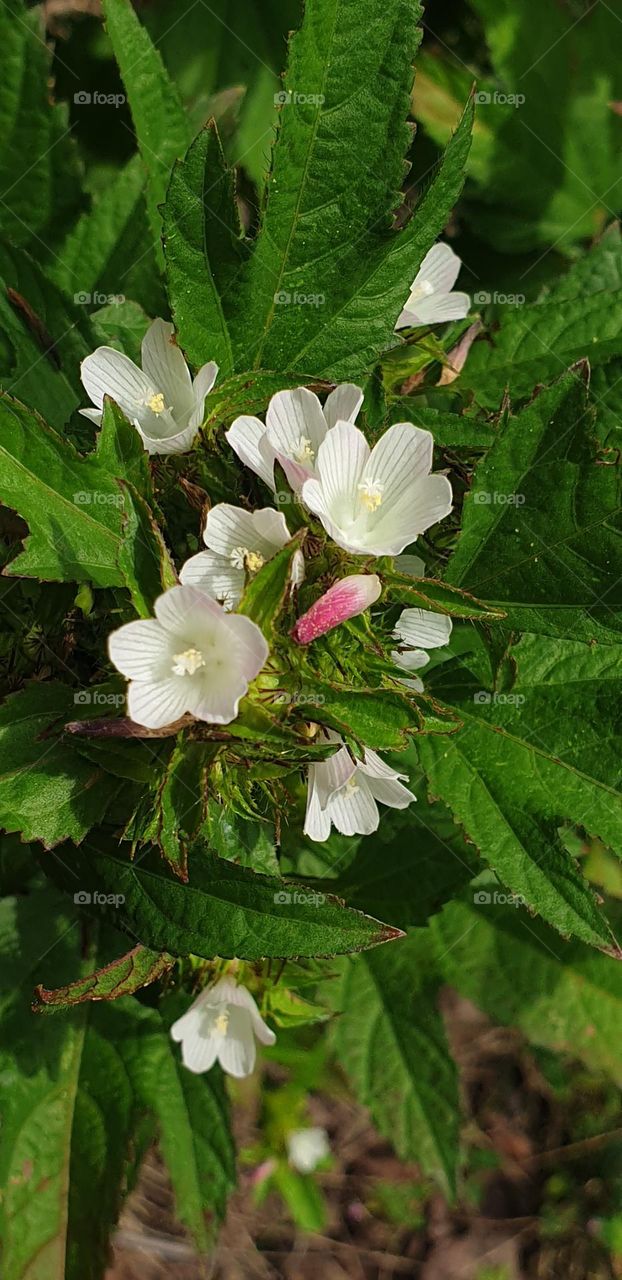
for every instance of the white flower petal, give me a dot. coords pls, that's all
(167, 371)
(215, 697)
(440, 268)
(170, 441)
(341, 462)
(110, 373)
(140, 650)
(245, 436)
(413, 566)
(230, 528)
(391, 792)
(317, 820)
(353, 810)
(157, 703)
(236, 1049)
(247, 643)
(94, 415)
(343, 404)
(413, 660)
(375, 767)
(180, 610)
(436, 310)
(295, 421)
(216, 575)
(201, 388)
(401, 456)
(306, 1148)
(422, 629)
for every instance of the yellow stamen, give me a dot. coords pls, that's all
(156, 403)
(371, 494)
(304, 451)
(242, 558)
(186, 663)
(221, 1024)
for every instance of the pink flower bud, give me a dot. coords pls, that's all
(344, 600)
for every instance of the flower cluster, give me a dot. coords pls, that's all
(197, 657)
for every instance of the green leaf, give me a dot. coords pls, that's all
(48, 792)
(248, 842)
(329, 274)
(162, 130)
(223, 910)
(251, 392)
(450, 430)
(415, 862)
(84, 527)
(204, 251)
(106, 253)
(180, 804)
(526, 761)
(541, 529)
(39, 166)
(390, 1040)
(44, 339)
(100, 1078)
(428, 593)
(67, 1120)
(266, 592)
(562, 995)
(337, 167)
(377, 718)
(122, 977)
(192, 1115)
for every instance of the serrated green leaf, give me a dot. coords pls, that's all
(39, 165)
(223, 910)
(48, 792)
(122, 977)
(162, 130)
(204, 251)
(106, 254)
(180, 804)
(526, 761)
(441, 597)
(391, 1042)
(541, 529)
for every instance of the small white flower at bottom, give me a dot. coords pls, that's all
(344, 793)
(192, 658)
(306, 1148)
(221, 1026)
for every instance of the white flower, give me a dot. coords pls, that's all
(431, 300)
(240, 543)
(343, 792)
(420, 630)
(221, 1025)
(192, 657)
(161, 400)
(296, 425)
(306, 1148)
(377, 501)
